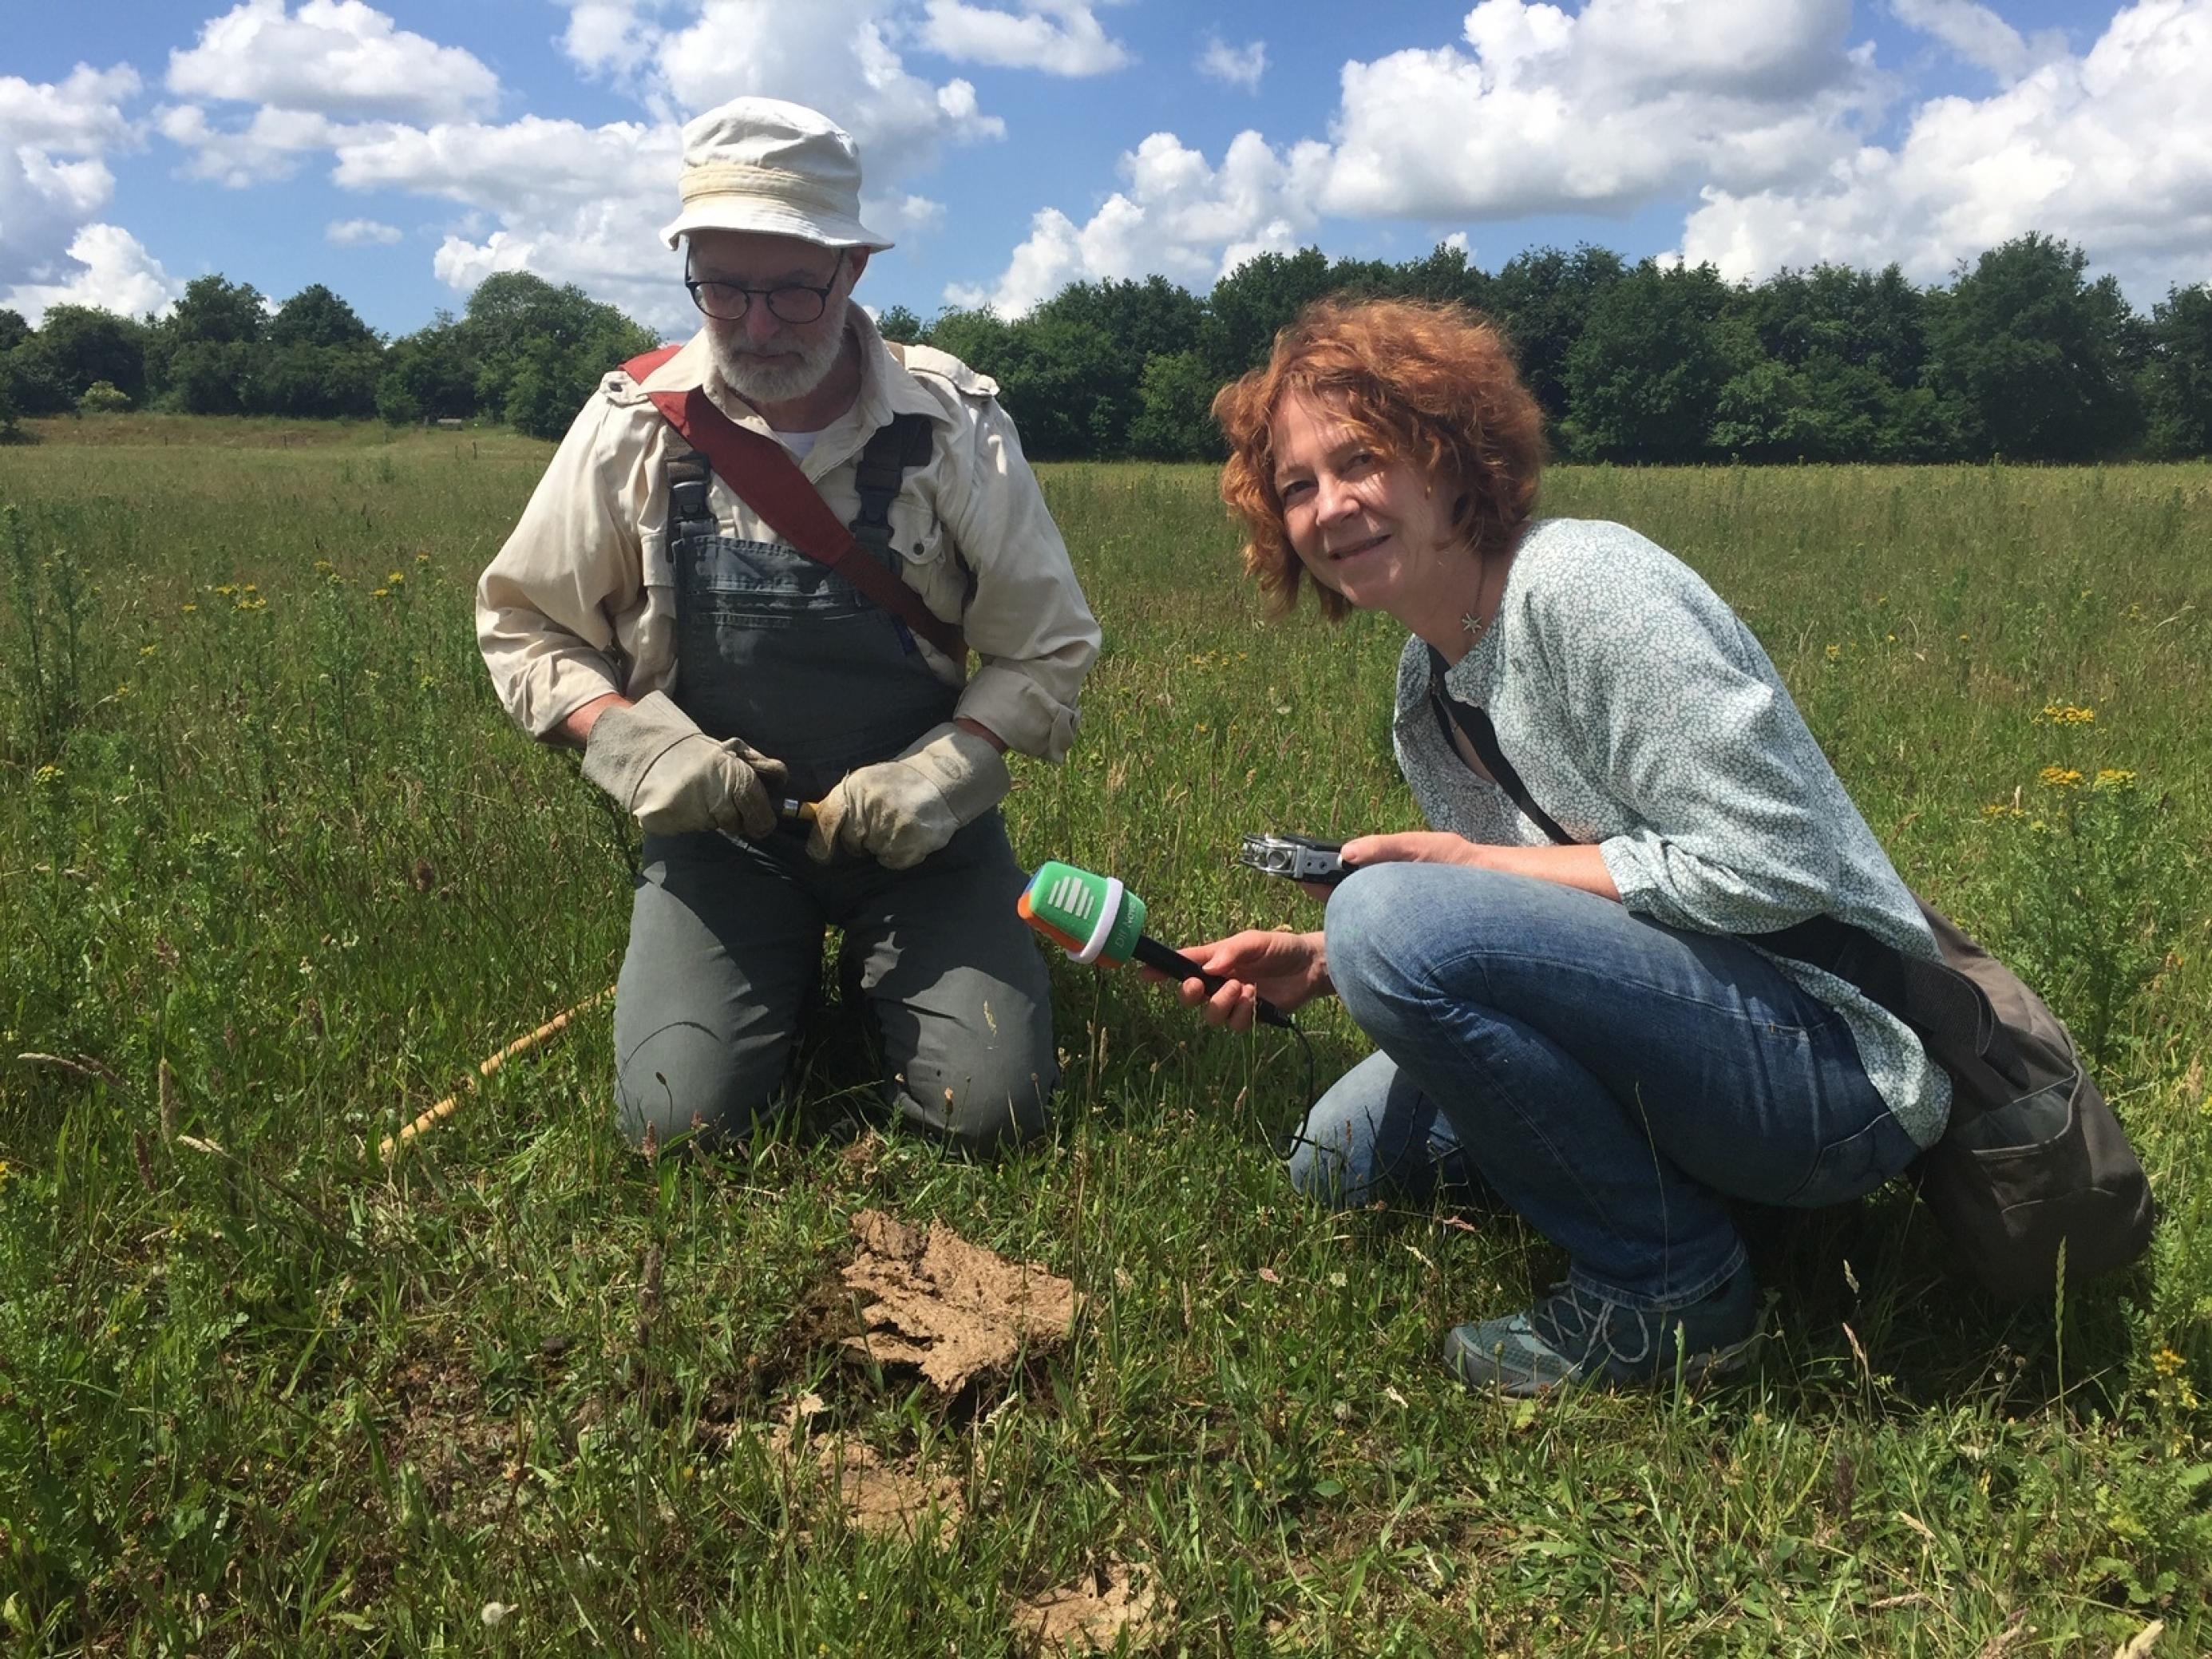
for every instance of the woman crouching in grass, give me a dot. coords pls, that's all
(1571, 1015)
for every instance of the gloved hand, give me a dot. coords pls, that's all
(660, 766)
(904, 809)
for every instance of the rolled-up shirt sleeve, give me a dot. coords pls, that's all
(1032, 632)
(547, 604)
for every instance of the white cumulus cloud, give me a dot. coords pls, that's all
(1533, 109)
(1061, 37)
(1240, 66)
(337, 57)
(1759, 114)
(361, 233)
(310, 74)
(274, 88)
(105, 267)
(2111, 149)
(80, 116)
(272, 144)
(593, 219)
(680, 57)
(55, 139)
(1177, 216)
(1539, 110)
(901, 217)
(1980, 36)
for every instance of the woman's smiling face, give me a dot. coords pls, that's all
(1374, 529)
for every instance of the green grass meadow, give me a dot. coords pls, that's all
(276, 873)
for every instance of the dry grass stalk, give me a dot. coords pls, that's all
(522, 1045)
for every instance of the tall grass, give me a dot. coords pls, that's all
(286, 873)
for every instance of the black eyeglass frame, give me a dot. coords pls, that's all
(820, 296)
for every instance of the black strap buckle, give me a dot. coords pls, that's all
(899, 445)
(688, 478)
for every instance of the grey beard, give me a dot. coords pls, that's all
(777, 378)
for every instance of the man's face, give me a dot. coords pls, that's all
(764, 358)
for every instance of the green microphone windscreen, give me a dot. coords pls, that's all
(1093, 918)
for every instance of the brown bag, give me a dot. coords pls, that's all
(2033, 1165)
(2033, 1171)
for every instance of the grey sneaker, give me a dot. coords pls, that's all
(1570, 1337)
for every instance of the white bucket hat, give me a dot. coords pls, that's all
(761, 164)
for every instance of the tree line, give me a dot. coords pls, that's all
(523, 352)
(2021, 355)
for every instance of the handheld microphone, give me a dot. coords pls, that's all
(1097, 919)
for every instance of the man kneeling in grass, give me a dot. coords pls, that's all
(709, 668)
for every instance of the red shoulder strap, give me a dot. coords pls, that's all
(638, 368)
(766, 478)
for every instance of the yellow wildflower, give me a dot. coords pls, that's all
(421, 558)
(396, 577)
(1835, 652)
(190, 610)
(2114, 777)
(149, 650)
(379, 592)
(2059, 777)
(2065, 713)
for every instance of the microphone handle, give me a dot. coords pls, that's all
(1177, 966)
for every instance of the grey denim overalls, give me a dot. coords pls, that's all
(773, 647)
(725, 936)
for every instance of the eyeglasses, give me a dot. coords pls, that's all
(787, 302)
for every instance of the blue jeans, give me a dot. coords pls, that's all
(1613, 1081)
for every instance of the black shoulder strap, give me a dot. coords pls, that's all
(1474, 724)
(1852, 954)
(899, 445)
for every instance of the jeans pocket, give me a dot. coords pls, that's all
(1855, 1165)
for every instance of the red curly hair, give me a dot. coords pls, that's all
(1430, 385)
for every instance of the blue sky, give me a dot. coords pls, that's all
(401, 151)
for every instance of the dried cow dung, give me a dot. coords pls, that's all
(1096, 1614)
(952, 1310)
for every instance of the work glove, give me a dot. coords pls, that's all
(673, 778)
(904, 809)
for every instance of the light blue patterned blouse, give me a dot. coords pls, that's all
(1642, 716)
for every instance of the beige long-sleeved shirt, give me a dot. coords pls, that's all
(580, 601)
